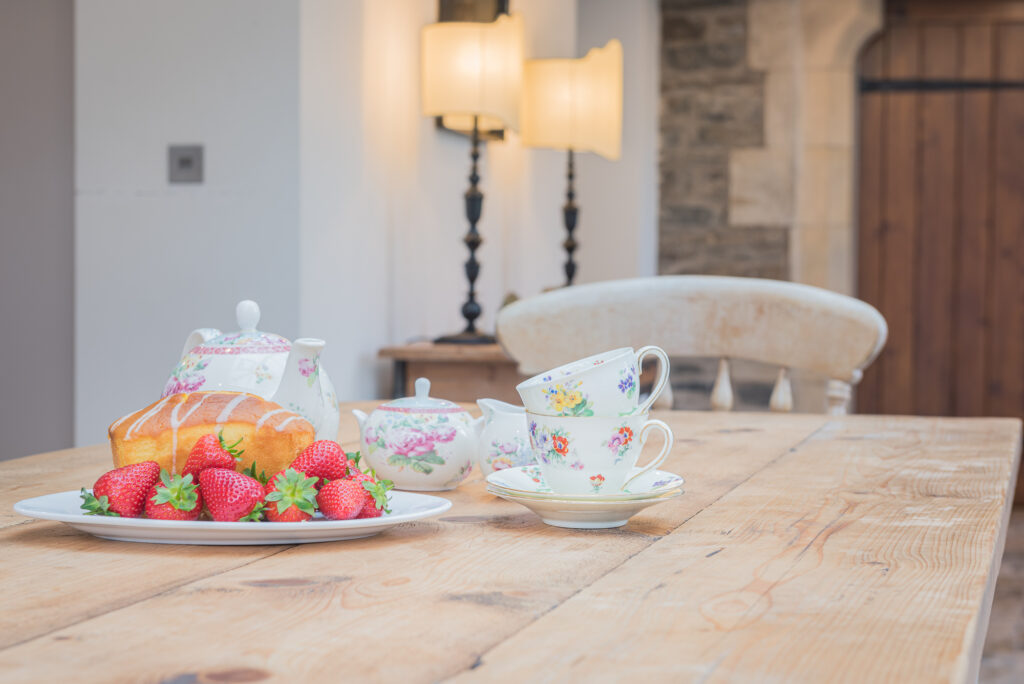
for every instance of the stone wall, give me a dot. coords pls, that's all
(757, 155)
(712, 103)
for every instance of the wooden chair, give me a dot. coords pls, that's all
(774, 322)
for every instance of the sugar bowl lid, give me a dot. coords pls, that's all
(422, 402)
(247, 340)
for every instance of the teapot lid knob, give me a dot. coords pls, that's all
(247, 313)
(422, 388)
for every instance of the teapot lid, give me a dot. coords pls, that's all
(248, 340)
(422, 402)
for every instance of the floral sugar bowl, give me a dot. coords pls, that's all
(420, 443)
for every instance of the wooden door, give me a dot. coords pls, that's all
(941, 210)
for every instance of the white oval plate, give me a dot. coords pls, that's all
(65, 507)
(529, 481)
(584, 515)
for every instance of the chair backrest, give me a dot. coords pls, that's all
(779, 323)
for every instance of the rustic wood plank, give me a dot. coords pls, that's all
(934, 269)
(900, 215)
(970, 327)
(1006, 351)
(881, 570)
(869, 237)
(436, 592)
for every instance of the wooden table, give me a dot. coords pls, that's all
(458, 372)
(807, 548)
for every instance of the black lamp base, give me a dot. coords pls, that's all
(466, 337)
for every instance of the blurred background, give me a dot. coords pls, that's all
(873, 148)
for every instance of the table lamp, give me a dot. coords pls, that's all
(574, 105)
(472, 77)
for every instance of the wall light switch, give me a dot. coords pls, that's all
(185, 164)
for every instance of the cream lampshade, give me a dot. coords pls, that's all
(473, 70)
(574, 105)
(472, 76)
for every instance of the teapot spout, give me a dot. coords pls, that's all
(361, 419)
(299, 390)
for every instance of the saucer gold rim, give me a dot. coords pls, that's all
(620, 496)
(589, 501)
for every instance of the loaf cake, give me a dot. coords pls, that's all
(166, 430)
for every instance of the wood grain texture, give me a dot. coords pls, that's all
(948, 273)
(869, 237)
(936, 216)
(839, 584)
(804, 546)
(1006, 354)
(970, 324)
(899, 234)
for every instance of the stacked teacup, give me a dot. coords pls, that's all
(587, 425)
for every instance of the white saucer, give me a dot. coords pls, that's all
(65, 507)
(528, 481)
(585, 515)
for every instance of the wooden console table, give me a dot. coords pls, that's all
(458, 372)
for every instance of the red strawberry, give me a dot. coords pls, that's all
(341, 499)
(290, 497)
(353, 458)
(376, 495)
(122, 491)
(322, 458)
(174, 499)
(231, 496)
(370, 510)
(210, 451)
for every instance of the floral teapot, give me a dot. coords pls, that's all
(419, 442)
(288, 373)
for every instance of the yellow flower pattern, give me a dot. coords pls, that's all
(568, 401)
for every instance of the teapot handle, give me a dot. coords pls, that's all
(197, 337)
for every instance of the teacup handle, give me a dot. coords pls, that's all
(663, 368)
(665, 449)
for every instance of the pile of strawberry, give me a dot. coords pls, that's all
(323, 477)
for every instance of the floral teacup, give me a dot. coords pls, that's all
(601, 385)
(593, 455)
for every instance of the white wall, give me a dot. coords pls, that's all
(323, 172)
(36, 226)
(153, 261)
(382, 209)
(618, 232)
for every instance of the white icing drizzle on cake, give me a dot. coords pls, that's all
(231, 406)
(146, 416)
(266, 416)
(120, 420)
(280, 426)
(177, 423)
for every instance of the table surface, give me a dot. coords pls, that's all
(806, 548)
